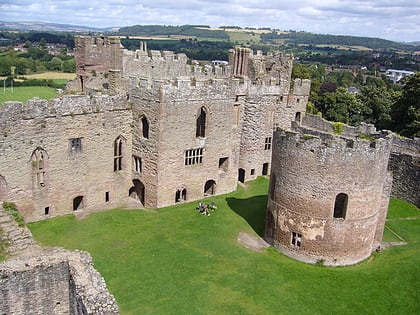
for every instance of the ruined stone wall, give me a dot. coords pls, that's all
(308, 173)
(172, 107)
(66, 172)
(404, 164)
(55, 282)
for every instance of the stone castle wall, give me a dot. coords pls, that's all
(44, 130)
(308, 173)
(404, 164)
(55, 282)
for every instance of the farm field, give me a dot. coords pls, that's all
(176, 261)
(51, 75)
(24, 93)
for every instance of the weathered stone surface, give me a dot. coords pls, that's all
(308, 173)
(121, 93)
(55, 282)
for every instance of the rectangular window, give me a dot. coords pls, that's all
(194, 156)
(267, 144)
(137, 163)
(106, 196)
(296, 239)
(47, 210)
(252, 171)
(75, 145)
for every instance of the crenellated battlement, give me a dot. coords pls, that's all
(322, 144)
(63, 106)
(185, 85)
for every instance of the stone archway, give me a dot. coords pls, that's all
(137, 191)
(210, 187)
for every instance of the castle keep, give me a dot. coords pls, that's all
(145, 127)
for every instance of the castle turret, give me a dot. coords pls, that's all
(328, 196)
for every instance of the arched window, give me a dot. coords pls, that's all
(181, 195)
(145, 127)
(118, 154)
(201, 123)
(340, 206)
(39, 157)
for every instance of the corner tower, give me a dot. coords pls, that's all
(324, 206)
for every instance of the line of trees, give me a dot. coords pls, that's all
(376, 100)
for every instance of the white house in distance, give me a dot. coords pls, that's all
(397, 75)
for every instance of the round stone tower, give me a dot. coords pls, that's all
(328, 196)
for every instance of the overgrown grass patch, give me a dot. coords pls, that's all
(177, 261)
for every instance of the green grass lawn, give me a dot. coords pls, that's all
(176, 261)
(24, 93)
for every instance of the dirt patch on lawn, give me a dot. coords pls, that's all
(254, 243)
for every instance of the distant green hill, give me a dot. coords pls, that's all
(202, 31)
(301, 38)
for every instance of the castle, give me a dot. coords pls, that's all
(149, 129)
(145, 127)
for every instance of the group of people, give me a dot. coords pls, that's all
(204, 208)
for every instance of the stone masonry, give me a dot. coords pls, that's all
(145, 128)
(328, 193)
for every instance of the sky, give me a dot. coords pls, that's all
(397, 20)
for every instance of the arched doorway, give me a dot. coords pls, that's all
(3, 189)
(137, 191)
(241, 175)
(210, 188)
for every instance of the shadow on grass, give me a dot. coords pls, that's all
(252, 210)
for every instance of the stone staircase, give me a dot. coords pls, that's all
(18, 238)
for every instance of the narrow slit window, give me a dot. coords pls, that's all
(38, 167)
(145, 127)
(118, 154)
(201, 123)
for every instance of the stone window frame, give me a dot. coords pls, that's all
(340, 206)
(38, 158)
(181, 194)
(267, 143)
(75, 145)
(201, 122)
(118, 153)
(138, 164)
(224, 163)
(193, 156)
(296, 239)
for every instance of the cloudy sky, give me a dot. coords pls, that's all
(397, 20)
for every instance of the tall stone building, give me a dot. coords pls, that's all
(146, 127)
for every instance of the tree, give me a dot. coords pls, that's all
(379, 100)
(343, 106)
(299, 71)
(405, 112)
